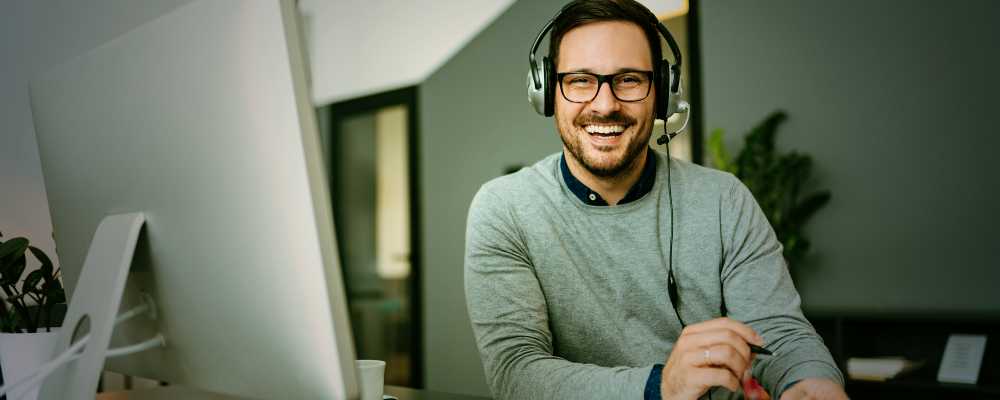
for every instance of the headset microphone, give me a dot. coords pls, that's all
(683, 107)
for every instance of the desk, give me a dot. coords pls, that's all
(177, 392)
(417, 394)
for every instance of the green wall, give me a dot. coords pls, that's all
(475, 120)
(896, 102)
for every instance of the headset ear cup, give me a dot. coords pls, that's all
(663, 94)
(549, 72)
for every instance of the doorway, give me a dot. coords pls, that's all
(370, 147)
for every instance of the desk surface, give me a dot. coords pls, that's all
(417, 394)
(177, 392)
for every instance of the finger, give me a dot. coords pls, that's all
(716, 357)
(744, 331)
(716, 337)
(725, 356)
(706, 378)
(718, 377)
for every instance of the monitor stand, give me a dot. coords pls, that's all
(94, 307)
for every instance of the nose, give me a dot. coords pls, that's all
(605, 103)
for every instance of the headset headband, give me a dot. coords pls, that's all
(675, 66)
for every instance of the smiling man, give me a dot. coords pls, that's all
(605, 138)
(610, 270)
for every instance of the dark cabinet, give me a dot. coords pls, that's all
(914, 336)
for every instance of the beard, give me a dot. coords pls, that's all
(610, 162)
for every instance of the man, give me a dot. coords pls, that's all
(568, 261)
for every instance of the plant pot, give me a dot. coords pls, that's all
(22, 354)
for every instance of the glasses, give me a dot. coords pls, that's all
(582, 87)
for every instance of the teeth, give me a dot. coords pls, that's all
(605, 129)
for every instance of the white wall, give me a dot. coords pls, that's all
(36, 36)
(359, 48)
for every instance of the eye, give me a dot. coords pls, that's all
(579, 80)
(630, 78)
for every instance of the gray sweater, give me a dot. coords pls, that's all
(570, 301)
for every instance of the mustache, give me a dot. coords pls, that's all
(615, 118)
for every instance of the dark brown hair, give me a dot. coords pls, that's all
(589, 11)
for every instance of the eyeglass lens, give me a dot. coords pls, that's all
(626, 86)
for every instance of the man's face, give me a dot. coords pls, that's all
(605, 135)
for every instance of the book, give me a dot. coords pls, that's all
(882, 368)
(962, 358)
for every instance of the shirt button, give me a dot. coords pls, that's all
(593, 197)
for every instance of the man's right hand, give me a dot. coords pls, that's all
(707, 354)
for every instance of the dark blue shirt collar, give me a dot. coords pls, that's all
(590, 197)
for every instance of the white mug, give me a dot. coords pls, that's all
(371, 377)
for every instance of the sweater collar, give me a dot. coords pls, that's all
(590, 197)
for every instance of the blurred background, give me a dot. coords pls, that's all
(420, 103)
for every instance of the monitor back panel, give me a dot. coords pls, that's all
(201, 119)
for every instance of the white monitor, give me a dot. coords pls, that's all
(201, 120)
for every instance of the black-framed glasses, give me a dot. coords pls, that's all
(582, 87)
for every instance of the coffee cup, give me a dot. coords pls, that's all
(371, 378)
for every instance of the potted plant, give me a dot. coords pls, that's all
(775, 180)
(28, 338)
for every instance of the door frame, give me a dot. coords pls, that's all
(338, 113)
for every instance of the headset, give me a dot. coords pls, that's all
(669, 86)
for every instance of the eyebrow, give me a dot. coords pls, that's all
(620, 70)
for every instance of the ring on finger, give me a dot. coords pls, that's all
(708, 357)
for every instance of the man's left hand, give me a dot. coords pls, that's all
(814, 389)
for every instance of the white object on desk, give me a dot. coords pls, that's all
(962, 358)
(23, 354)
(371, 379)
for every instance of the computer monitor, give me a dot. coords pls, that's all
(202, 120)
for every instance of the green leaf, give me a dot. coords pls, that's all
(53, 290)
(13, 299)
(14, 271)
(44, 259)
(14, 246)
(15, 318)
(717, 151)
(10, 251)
(31, 281)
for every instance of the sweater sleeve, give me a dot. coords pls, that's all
(759, 292)
(511, 322)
